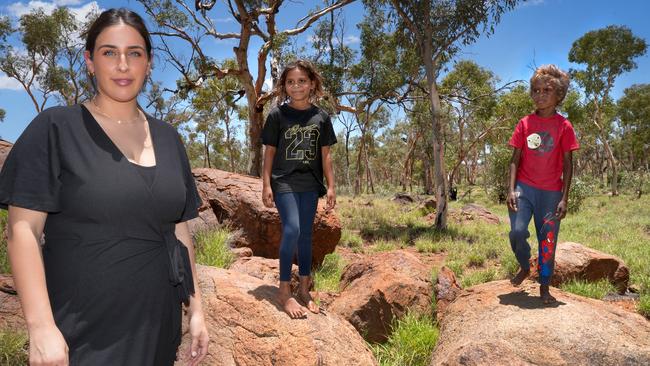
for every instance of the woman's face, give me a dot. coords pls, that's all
(119, 62)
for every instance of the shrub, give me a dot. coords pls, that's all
(580, 189)
(212, 248)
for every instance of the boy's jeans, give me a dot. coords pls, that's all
(540, 204)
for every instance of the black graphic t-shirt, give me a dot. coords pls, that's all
(298, 136)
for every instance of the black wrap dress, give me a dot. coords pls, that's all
(116, 273)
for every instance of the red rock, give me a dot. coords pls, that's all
(248, 328)
(11, 314)
(496, 324)
(235, 199)
(446, 289)
(576, 261)
(380, 288)
(267, 270)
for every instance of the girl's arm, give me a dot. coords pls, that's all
(329, 175)
(514, 166)
(198, 330)
(267, 193)
(46, 343)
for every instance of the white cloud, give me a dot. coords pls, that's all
(351, 39)
(9, 83)
(223, 20)
(67, 2)
(531, 3)
(18, 9)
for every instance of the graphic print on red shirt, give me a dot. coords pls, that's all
(543, 142)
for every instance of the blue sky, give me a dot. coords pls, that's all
(537, 32)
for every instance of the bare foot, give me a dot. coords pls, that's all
(308, 301)
(546, 296)
(292, 307)
(520, 277)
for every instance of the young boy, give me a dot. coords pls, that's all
(540, 175)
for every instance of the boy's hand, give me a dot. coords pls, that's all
(512, 201)
(560, 212)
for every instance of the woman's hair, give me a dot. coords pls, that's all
(555, 76)
(112, 17)
(311, 72)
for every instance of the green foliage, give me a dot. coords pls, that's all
(644, 305)
(2, 114)
(594, 290)
(480, 276)
(328, 276)
(13, 348)
(411, 343)
(579, 191)
(606, 53)
(351, 239)
(212, 248)
(4, 258)
(498, 173)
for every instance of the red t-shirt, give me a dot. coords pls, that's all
(543, 142)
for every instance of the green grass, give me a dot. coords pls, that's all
(644, 305)
(13, 349)
(594, 290)
(385, 245)
(481, 276)
(212, 248)
(411, 342)
(351, 240)
(328, 276)
(4, 259)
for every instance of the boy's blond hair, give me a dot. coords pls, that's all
(555, 76)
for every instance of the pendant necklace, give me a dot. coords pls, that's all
(147, 141)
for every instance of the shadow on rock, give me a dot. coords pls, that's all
(524, 300)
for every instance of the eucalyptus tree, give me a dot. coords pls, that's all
(606, 54)
(437, 29)
(634, 116)
(194, 28)
(51, 63)
(471, 93)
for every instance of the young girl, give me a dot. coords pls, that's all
(298, 136)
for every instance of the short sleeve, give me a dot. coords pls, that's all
(517, 139)
(271, 130)
(31, 172)
(192, 198)
(329, 137)
(569, 142)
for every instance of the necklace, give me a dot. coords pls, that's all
(147, 141)
(119, 121)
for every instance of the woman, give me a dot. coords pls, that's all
(111, 190)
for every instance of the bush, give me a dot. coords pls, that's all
(212, 248)
(580, 189)
(498, 173)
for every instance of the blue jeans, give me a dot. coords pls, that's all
(297, 211)
(540, 204)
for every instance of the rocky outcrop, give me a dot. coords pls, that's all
(248, 327)
(496, 324)
(380, 288)
(446, 290)
(235, 199)
(267, 270)
(474, 212)
(576, 261)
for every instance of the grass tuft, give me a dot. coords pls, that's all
(644, 305)
(212, 248)
(328, 276)
(480, 276)
(13, 349)
(411, 343)
(594, 290)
